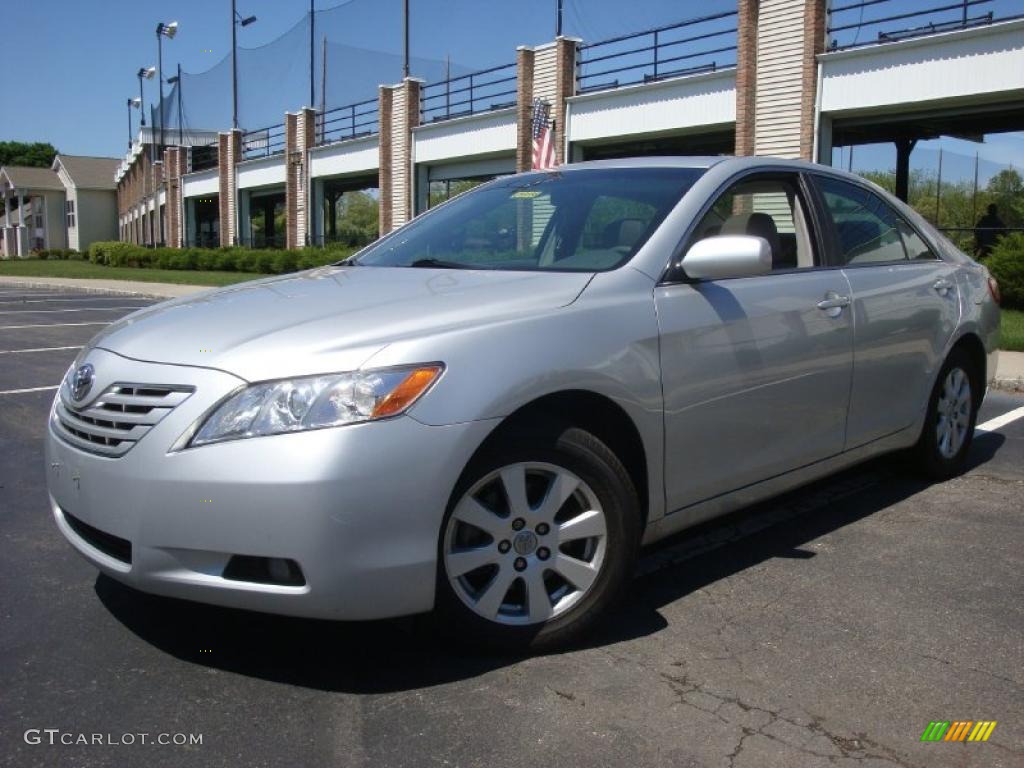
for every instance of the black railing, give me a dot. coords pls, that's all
(688, 47)
(202, 158)
(870, 22)
(348, 122)
(482, 91)
(263, 142)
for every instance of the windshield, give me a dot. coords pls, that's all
(586, 220)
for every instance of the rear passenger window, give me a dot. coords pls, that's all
(868, 229)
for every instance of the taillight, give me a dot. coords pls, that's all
(993, 289)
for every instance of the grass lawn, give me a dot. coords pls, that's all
(85, 269)
(1013, 330)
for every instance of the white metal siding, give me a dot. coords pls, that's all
(399, 150)
(545, 73)
(202, 183)
(466, 137)
(683, 104)
(965, 66)
(780, 42)
(346, 157)
(260, 172)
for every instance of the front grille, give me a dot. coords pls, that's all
(118, 418)
(107, 543)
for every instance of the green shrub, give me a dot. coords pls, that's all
(265, 262)
(285, 261)
(1006, 263)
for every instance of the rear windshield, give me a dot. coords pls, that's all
(586, 220)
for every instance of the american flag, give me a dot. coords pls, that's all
(543, 141)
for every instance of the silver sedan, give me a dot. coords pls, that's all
(489, 411)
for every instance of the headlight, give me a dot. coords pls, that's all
(314, 402)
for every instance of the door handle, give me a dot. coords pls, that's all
(833, 304)
(943, 286)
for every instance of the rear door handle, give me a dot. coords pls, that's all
(833, 304)
(943, 286)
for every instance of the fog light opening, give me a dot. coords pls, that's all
(264, 570)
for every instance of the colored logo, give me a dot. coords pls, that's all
(81, 381)
(958, 730)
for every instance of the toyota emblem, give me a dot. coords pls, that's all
(81, 381)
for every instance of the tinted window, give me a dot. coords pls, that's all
(867, 228)
(585, 220)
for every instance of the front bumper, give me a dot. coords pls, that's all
(358, 508)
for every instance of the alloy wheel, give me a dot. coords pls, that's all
(525, 543)
(953, 413)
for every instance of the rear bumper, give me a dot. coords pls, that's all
(358, 508)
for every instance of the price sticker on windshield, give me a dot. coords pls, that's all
(526, 194)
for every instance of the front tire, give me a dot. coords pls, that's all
(941, 451)
(538, 541)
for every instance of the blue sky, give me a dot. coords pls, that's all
(78, 59)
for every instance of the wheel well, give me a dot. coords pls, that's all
(597, 414)
(975, 350)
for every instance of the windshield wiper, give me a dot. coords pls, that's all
(441, 264)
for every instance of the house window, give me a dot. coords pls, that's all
(69, 207)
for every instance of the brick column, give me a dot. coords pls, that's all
(385, 119)
(814, 43)
(299, 138)
(746, 75)
(399, 114)
(524, 111)
(229, 150)
(565, 86)
(174, 161)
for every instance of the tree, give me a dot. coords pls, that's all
(36, 154)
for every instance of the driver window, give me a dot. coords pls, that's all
(768, 208)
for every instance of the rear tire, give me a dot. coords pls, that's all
(538, 541)
(941, 451)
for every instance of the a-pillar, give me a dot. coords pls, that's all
(778, 42)
(229, 150)
(174, 163)
(299, 138)
(399, 107)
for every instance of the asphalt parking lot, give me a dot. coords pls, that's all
(825, 628)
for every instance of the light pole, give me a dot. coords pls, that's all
(137, 103)
(144, 73)
(162, 31)
(236, 22)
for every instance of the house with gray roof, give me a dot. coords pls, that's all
(69, 205)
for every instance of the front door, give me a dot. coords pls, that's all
(756, 370)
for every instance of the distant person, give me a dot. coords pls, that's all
(986, 231)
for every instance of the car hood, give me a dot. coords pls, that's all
(328, 319)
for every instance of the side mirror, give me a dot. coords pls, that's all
(721, 256)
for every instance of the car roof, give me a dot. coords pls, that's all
(701, 162)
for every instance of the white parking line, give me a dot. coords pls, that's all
(46, 325)
(48, 311)
(80, 298)
(1001, 421)
(30, 389)
(36, 349)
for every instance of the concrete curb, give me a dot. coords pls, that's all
(153, 290)
(1008, 385)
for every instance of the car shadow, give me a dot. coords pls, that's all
(409, 653)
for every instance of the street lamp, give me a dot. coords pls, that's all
(144, 73)
(137, 103)
(162, 31)
(236, 21)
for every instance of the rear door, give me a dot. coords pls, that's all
(905, 308)
(756, 370)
